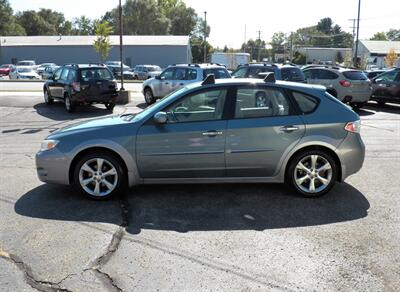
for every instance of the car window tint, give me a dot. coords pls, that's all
(95, 74)
(192, 74)
(388, 76)
(202, 106)
(306, 103)
(355, 75)
(261, 102)
(240, 73)
(180, 74)
(167, 74)
(72, 75)
(64, 74)
(292, 74)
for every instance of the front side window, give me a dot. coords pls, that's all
(192, 74)
(219, 73)
(201, 106)
(259, 102)
(254, 71)
(64, 74)
(387, 77)
(72, 75)
(57, 74)
(327, 75)
(167, 74)
(292, 74)
(180, 74)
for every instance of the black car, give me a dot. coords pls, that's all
(81, 84)
(258, 70)
(372, 74)
(386, 87)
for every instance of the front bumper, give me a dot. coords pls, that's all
(52, 166)
(351, 153)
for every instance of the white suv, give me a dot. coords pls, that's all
(177, 76)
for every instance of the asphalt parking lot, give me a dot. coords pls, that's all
(204, 237)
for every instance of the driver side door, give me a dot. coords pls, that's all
(164, 84)
(191, 144)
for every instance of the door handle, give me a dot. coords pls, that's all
(212, 133)
(288, 129)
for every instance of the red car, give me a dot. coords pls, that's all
(5, 69)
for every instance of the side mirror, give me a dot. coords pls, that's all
(158, 77)
(160, 117)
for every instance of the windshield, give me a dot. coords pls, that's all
(160, 103)
(24, 70)
(154, 68)
(355, 75)
(96, 73)
(25, 63)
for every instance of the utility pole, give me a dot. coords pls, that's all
(205, 37)
(259, 45)
(358, 30)
(120, 45)
(354, 35)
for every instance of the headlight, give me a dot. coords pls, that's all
(48, 144)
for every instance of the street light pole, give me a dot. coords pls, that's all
(120, 45)
(205, 36)
(358, 28)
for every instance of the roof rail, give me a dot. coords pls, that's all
(70, 64)
(269, 77)
(210, 79)
(98, 64)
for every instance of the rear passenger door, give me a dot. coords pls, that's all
(263, 129)
(180, 78)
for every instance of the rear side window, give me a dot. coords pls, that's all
(240, 73)
(258, 102)
(72, 75)
(96, 73)
(306, 103)
(292, 74)
(355, 75)
(325, 74)
(64, 74)
(254, 71)
(192, 74)
(219, 73)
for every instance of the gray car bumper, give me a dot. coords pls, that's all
(52, 167)
(351, 153)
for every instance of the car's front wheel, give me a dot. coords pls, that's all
(99, 175)
(312, 173)
(148, 96)
(47, 98)
(110, 106)
(69, 104)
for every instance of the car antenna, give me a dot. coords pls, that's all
(210, 79)
(270, 77)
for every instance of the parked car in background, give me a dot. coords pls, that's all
(115, 67)
(347, 85)
(228, 130)
(282, 72)
(143, 72)
(77, 84)
(374, 73)
(5, 69)
(24, 73)
(40, 69)
(177, 76)
(386, 87)
(27, 63)
(49, 71)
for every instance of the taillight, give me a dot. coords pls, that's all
(353, 127)
(76, 86)
(344, 83)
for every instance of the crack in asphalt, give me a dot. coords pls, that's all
(31, 280)
(113, 246)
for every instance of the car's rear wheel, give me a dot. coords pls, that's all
(312, 173)
(358, 105)
(69, 104)
(148, 96)
(47, 97)
(99, 176)
(110, 106)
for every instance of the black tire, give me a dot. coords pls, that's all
(69, 104)
(381, 102)
(357, 105)
(47, 97)
(110, 106)
(148, 96)
(292, 172)
(108, 159)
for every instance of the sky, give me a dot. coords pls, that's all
(233, 21)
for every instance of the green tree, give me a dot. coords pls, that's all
(8, 24)
(393, 35)
(339, 58)
(379, 36)
(325, 25)
(83, 26)
(35, 24)
(278, 42)
(102, 44)
(391, 58)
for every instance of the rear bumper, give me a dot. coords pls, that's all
(80, 98)
(351, 153)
